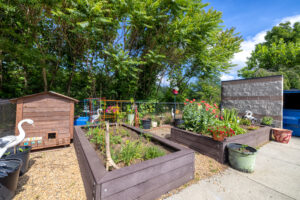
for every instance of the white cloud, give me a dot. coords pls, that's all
(248, 46)
(226, 77)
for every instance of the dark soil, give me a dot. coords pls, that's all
(126, 135)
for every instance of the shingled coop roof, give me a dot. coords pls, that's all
(42, 93)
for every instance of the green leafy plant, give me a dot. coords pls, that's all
(130, 151)
(246, 122)
(230, 115)
(266, 120)
(152, 152)
(199, 116)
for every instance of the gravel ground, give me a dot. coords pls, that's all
(55, 174)
(52, 174)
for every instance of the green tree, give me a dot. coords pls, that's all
(280, 54)
(110, 48)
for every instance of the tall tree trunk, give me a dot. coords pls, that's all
(1, 73)
(45, 79)
(70, 80)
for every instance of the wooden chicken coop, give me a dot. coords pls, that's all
(53, 116)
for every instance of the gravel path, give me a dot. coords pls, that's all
(52, 174)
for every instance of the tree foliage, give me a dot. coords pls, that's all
(113, 48)
(280, 54)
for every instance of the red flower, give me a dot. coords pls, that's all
(184, 103)
(206, 109)
(222, 118)
(217, 116)
(214, 111)
(216, 105)
(194, 99)
(186, 99)
(198, 104)
(191, 101)
(202, 101)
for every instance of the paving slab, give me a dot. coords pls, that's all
(276, 176)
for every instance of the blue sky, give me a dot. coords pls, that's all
(252, 18)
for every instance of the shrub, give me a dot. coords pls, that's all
(199, 116)
(267, 120)
(152, 152)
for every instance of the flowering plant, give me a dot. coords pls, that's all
(112, 109)
(199, 116)
(220, 132)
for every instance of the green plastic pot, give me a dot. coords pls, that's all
(242, 161)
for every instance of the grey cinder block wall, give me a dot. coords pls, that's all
(263, 96)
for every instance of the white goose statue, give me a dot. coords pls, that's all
(12, 140)
(94, 117)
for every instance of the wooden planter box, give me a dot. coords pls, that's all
(215, 149)
(146, 180)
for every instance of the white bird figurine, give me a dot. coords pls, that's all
(172, 113)
(12, 140)
(94, 117)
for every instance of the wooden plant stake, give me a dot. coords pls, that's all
(136, 117)
(109, 160)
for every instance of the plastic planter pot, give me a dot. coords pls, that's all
(242, 157)
(282, 135)
(178, 122)
(130, 119)
(20, 154)
(9, 176)
(146, 123)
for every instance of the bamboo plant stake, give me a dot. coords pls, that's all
(109, 160)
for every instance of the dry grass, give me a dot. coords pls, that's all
(52, 174)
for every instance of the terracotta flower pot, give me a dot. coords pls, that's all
(282, 135)
(218, 137)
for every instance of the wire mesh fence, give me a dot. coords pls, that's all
(110, 110)
(7, 118)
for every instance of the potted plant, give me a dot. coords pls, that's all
(266, 120)
(9, 176)
(145, 110)
(242, 157)
(282, 135)
(22, 153)
(130, 112)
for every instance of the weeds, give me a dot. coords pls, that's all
(153, 152)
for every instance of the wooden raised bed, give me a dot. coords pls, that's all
(215, 149)
(146, 180)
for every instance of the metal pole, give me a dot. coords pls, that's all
(174, 107)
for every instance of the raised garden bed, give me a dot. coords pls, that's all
(146, 180)
(216, 149)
